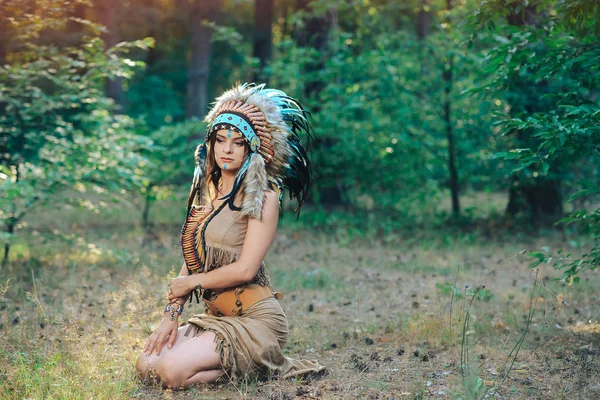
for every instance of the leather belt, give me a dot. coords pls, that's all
(233, 302)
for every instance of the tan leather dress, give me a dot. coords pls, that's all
(250, 344)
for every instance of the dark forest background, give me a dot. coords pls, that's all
(415, 105)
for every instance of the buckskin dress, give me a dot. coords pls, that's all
(250, 345)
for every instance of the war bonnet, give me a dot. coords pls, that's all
(271, 122)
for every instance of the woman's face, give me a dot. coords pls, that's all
(230, 150)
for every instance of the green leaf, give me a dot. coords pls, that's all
(545, 168)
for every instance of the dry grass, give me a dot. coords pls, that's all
(74, 316)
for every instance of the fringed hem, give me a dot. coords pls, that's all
(249, 346)
(217, 257)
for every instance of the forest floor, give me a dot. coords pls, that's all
(387, 319)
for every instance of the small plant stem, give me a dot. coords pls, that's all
(543, 284)
(463, 354)
(465, 326)
(464, 351)
(515, 350)
(451, 309)
(463, 346)
(501, 264)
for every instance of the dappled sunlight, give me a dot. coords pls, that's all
(585, 327)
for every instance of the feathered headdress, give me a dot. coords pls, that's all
(271, 122)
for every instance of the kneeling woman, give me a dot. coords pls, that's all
(251, 151)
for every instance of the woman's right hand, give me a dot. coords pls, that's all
(167, 328)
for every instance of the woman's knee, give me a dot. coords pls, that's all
(161, 370)
(142, 366)
(174, 367)
(169, 374)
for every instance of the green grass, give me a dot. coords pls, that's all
(303, 279)
(80, 304)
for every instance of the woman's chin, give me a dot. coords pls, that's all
(228, 170)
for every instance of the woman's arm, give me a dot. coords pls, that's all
(168, 327)
(259, 237)
(181, 299)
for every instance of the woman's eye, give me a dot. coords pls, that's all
(239, 143)
(219, 140)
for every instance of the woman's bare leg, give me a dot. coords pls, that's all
(204, 377)
(147, 364)
(190, 360)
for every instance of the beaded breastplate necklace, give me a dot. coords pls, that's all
(192, 231)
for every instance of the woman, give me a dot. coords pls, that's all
(251, 151)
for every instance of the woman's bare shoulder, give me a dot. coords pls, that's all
(271, 202)
(271, 195)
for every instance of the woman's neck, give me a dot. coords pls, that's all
(227, 179)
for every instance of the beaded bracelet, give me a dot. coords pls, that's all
(171, 308)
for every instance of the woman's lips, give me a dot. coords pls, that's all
(226, 159)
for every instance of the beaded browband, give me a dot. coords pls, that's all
(248, 120)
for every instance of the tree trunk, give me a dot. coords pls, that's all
(263, 37)
(452, 168)
(152, 22)
(447, 78)
(10, 228)
(540, 197)
(285, 27)
(148, 199)
(12, 221)
(151, 236)
(315, 35)
(199, 58)
(424, 20)
(423, 28)
(76, 30)
(4, 35)
(107, 16)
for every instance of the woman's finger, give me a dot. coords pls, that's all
(157, 339)
(172, 337)
(151, 345)
(155, 344)
(148, 342)
(160, 343)
(175, 296)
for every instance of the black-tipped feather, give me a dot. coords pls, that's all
(298, 173)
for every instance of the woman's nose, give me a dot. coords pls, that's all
(228, 147)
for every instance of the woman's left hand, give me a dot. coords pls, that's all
(179, 287)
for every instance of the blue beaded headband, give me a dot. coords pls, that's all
(242, 126)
